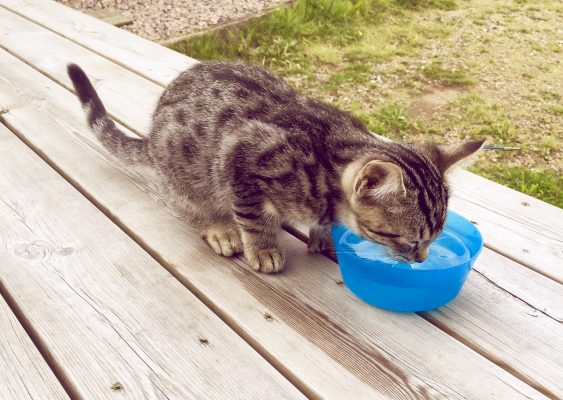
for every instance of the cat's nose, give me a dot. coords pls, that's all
(421, 255)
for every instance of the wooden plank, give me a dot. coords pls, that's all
(506, 276)
(540, 292)
(118, 20)
(523, 228)
(329, 342)
(106, 311)
(110, 15)
(525, 340)
(140, 55)
(23, 371)
(500, 295)
(513, 331)
(515, 234)
(28, 40)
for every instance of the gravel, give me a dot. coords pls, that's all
(164, 19)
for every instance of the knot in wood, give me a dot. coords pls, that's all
(36, 251)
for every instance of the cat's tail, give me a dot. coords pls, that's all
(128, 149)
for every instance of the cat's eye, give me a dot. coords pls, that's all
(384, 234)
(404, 248)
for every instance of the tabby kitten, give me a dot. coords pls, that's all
(242, 153)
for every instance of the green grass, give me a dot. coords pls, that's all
(390, 119)
(325, 53)
(330, 48)
(355, 73)
(557, 109)
(441, 4)
(284, 33)
(541, 184)
(445, 76)
(472, 116)
(550, 144)
(397, 37)
(282, 40)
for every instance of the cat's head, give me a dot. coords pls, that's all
(399, 197)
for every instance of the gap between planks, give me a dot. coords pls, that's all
(159, 81)
(114, 60)
(28, 327)
(67, 87)
(8, 303)
(43, 350)
(443, 327)
(261, 350)
(105, 211)
(295, 380)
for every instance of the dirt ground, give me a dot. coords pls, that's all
(163, 19)
(484, 70)
(511, 51)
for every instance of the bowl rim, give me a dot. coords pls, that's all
(471, 260)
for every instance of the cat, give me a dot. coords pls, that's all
(242, 153)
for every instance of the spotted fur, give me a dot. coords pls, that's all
(242, 153)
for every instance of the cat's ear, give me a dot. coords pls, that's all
(380, 178)
(447, 156)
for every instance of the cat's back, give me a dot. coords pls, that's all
(222, 82)
(205, 108)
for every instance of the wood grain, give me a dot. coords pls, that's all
(28, 40)
(510, 221)
(331, 344)
(146, 58)
(547, 301)
(544, 297)
(498, 296)
(521, 227)
(506, 328)
(23, 372)
(103, 308)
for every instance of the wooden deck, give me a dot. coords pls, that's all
(106, 293)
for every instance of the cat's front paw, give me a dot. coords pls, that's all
(265, 260)
(224, 239)
(320, 239)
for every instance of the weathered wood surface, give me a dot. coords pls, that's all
(521, 227)
(510, 221)
(116, 44)
(539, 366)
(106, 311)
(522, 297)
(499, 295)
(24, 374)
(328, 341)
(111, 16)
(127, 93)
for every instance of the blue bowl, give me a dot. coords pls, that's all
(379, 280)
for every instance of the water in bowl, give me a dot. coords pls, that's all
(446, 251)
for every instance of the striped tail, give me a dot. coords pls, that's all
(128, 149)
